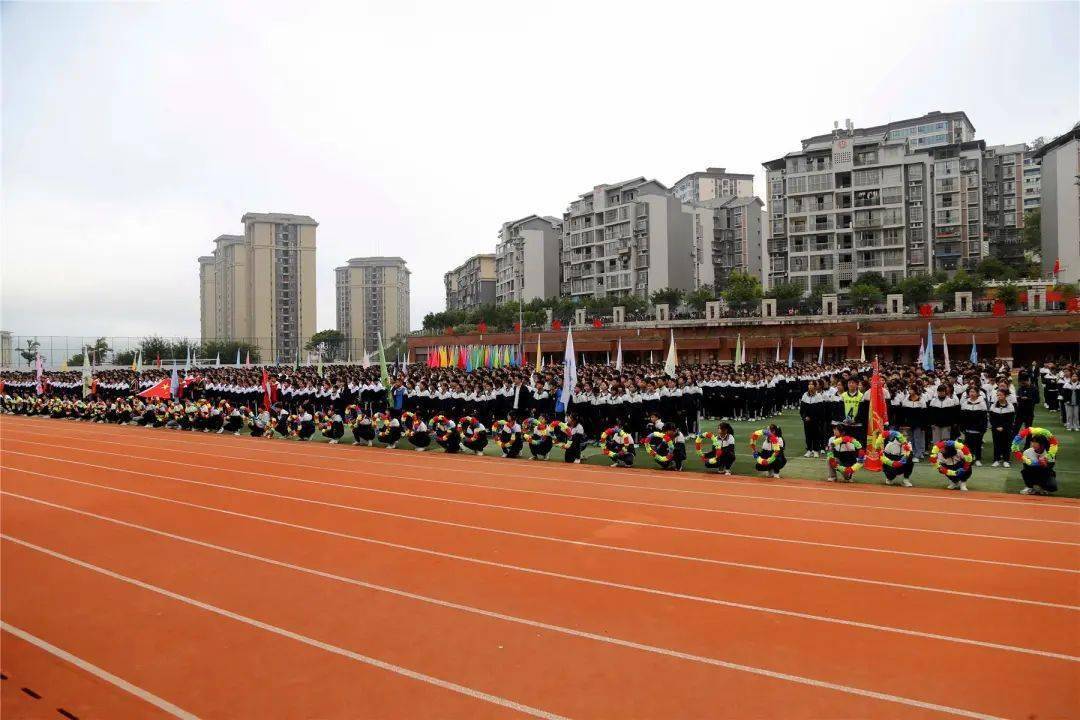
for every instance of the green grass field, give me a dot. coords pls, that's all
(985, 478)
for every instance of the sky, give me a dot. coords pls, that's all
(133, 134)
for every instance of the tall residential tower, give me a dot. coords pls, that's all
(372, 299)
(259, 287)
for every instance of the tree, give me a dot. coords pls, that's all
(330, 342)
(633, 304)
(1009, 293)
(225, 349)
(697, 298)
(31, 351)
(742, 291)
(876, 280)
(1032, 234)
(787, 295)
(962, 281)
(600, 305)
(667, 296)
(916, 289)
(993, 269)
(99, 351)
(865, 295)
(125, 358)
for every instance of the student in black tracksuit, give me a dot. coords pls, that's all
(973, 416)
(577, 441)
(811, 408)
(1026, 398)
(1002, 416)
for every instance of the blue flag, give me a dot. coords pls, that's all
(928, 356)
(791, 352)
(174, 383)
(974, 350)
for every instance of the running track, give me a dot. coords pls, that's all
(151, 573)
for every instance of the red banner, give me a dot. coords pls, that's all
(879, 418)
(999, 308)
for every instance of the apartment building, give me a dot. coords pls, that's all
(1010, 178)
(372, 298)
(728, 234)
(471, 284)
(527, 259)
(711, 184)
(1060, 202)
(259, 287)
(631, 237)
(896, 199)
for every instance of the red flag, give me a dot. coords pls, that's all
(597, 323)
(449, 331)
(481, 327)
(517, 327)
(999, 308)
(879, 418)
(268, 395)
(160, 390)
(1057, 266)
(556, 325)
(158, 362)
(926, 310)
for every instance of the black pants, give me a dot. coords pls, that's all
(974, 440)
(1041, 477)
(1002, 444)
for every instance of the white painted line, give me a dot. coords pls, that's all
(801, 680)
(691, 508)
(532, 511)
(533, 571)
(98, 672)
(577, 543)
(565, 481)
(412, 674)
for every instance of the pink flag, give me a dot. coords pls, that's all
(39, 374)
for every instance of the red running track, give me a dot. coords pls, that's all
(194, 575)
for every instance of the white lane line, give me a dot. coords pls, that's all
(367, 660)
(801, 680)
(551, 574)
(533, 511)
(101, 673)
(616, 501)
(565, 481)
(578, 543)
(1036, 504)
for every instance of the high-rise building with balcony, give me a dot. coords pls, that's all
(259, 287)
(372, 298)
(897, 199)
(632, 237)
(712, 184)
(1010, 188)
(527, 259)
(1060, 204)
(727, 238)
(471, 284)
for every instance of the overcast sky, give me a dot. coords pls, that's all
(135, 133)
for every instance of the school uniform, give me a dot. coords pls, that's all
(1002, 418)
(973, 416)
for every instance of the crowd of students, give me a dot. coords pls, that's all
(935, 415)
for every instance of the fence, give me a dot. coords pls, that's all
(19, 351)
